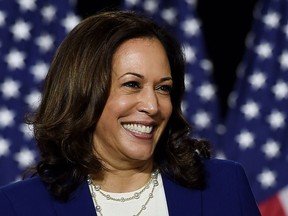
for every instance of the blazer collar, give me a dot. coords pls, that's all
(182, 201)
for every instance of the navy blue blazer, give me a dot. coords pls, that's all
(227, 194)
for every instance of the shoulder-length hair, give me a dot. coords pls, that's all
(75, 92)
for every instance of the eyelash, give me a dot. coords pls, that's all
(166, 89)
(131, 84)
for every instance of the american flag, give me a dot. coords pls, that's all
(256, 128)
(30, 31)
(180, 18)
(255, 132)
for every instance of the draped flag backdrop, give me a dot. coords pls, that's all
(30, 31)
(257, 130)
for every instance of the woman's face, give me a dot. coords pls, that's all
(139, 105)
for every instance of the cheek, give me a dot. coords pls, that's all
(123, 102)
(118, 104)
(166, 108)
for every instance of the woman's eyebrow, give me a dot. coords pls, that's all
(166, 79)
(132, 73)
(142, 77)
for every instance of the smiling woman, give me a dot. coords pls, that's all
(112, 136)
(138, 107)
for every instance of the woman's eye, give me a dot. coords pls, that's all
(131, 84)
(165, 89)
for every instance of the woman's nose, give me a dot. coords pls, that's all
(148, 102)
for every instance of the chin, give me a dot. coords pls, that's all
(140, 156)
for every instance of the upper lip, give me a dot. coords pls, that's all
(145, 123)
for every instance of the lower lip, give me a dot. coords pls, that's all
(139, 135)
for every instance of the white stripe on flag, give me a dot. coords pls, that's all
(283, 198)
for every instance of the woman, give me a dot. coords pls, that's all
(112, 137)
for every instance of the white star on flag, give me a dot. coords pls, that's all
(150, 6)
(2, 18)
(206, 91)
(15, 59)
(27, 4)
(169, 15)
(283, 59)
(189, 52)
(39, 71)
(280, 90)
(48, 13)
(201, 119)
(191, 26)
(271, 149)
(272, 19)
(70, 21)
(257, 80)
(264, 50)
(267, 178)
(4, 147)
(21, 30)
(25, 157)
(33, 99)
(276, 119)
(10, 88)
(27, 131)
(250, 110)
(45, 42)
(245, 140)
(6, 117)
(188, 81)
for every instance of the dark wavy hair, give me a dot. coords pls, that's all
(75, 92)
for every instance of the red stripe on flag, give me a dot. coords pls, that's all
(272, 207)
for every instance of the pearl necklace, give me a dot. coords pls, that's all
(94, 188)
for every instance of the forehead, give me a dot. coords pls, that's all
(138, 44)
(141, 54)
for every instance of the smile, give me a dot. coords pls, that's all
(138, 128)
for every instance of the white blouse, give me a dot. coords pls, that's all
(156, 206)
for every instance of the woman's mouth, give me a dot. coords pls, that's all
(138, 128)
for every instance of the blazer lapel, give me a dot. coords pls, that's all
(182, 201)
(80, 204)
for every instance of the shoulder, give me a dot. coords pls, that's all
(30, 195)
(222, 167)
(227, 187)
(227, 192)
(224, 173)
(27, 187)
(221, 163)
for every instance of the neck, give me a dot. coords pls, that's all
(123, 180)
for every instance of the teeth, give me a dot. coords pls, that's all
(137, 128)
